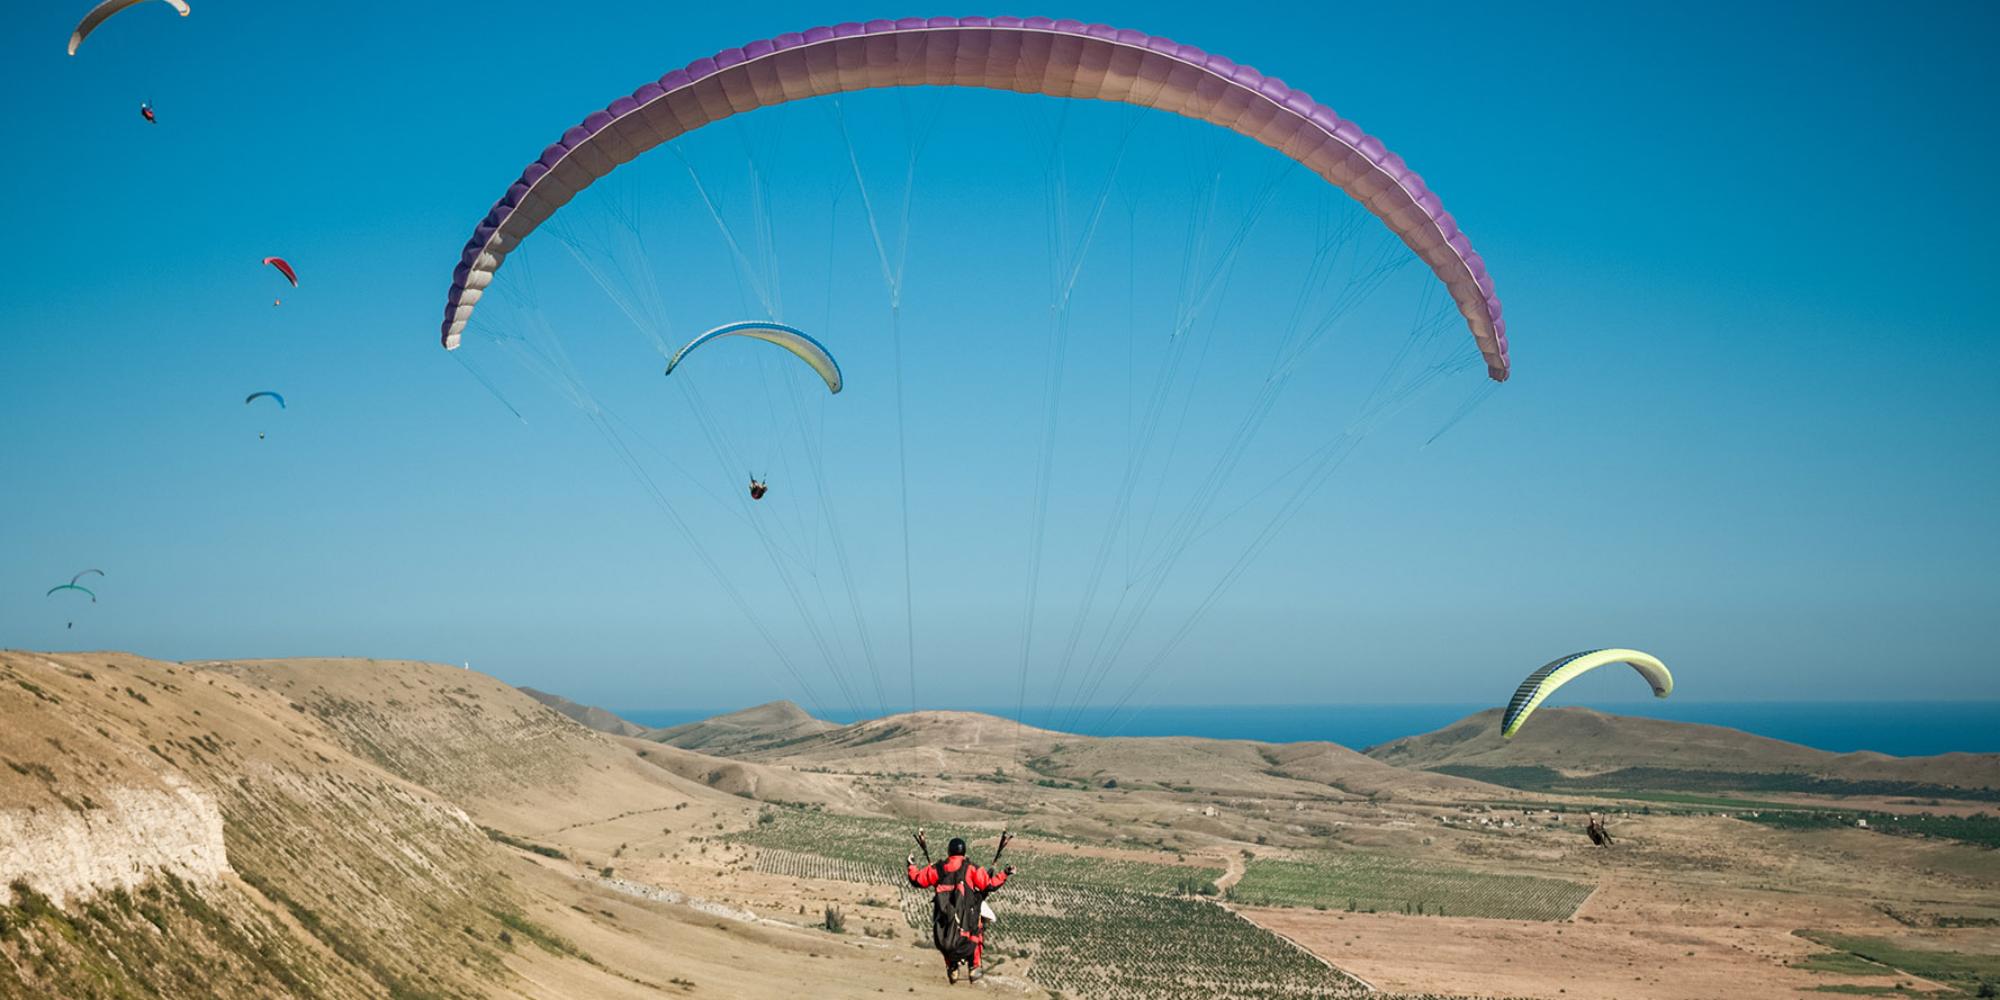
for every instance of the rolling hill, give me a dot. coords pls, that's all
(590, 716)
(363, 828)
(744, 732)
(1584, 749)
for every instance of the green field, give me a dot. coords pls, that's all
(1536, 778)
(1089, 942)
(1961, 969)
(1709, 801)
(1367, 883)
(1980, 829)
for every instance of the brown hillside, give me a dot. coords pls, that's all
(271, 830)
(313, 828)
(972, 743)
(508, 760)
(763, 782)
(950, 767)
(744, 732)
(1582, 741)
(590, 716)
(270, 860)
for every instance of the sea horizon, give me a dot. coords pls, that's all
(1916, 728)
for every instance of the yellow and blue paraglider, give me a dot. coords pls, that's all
(1543, 682)
(792, 339)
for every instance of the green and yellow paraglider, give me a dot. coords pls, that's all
(1543, 682)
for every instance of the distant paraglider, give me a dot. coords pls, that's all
(83, 574)
(285, 268)
(72, 585)
(103, 11)
(146, 112)
(792, 339)
(253, 397)
(1543, 682)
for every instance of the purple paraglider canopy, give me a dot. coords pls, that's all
(1029, 55)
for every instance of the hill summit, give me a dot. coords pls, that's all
(756, 728)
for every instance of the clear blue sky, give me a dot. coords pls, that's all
(1745, 257)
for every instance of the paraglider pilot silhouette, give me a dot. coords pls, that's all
(958, 904)
(1597, 832)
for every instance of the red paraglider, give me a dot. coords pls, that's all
(146, 112)
(284, 269)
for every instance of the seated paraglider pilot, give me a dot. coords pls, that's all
(757, 488)
(958, 911)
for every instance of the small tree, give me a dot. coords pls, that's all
(834, 921)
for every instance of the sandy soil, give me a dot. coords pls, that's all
(1659, 942)
(647, 948)
(1686, 907)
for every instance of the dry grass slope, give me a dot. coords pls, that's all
(339, 880)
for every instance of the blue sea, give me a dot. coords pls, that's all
(1902, 728)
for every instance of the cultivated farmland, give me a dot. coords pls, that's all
(1094, 927)
(1375, 884)
(1087, 927)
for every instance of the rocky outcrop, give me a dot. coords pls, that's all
(125, 839)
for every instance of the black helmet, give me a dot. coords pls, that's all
(956, 848)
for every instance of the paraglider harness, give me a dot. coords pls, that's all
(757, 488)
(957, 926)
(1598, 834)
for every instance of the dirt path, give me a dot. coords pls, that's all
(1233, 872)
